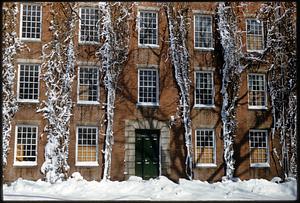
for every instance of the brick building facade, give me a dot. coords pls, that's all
(146, 101)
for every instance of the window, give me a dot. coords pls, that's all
(26, 145)
(203, 32)
(205, 147)
(31, 20)
(148, 87)
(254, 35)
(28, 88)
(148, 30)
(204, 91)
(88, 85)
(259, 153)
(88, 31)
(87, 146)
(257, 91)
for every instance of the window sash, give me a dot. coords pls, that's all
(205, 147)
(28, 82)
(203, 35)
(25, 145)
(88, 32)
(87, 145)
(204, 88)
(254, 35)
(148, 87)
(258, 144)
(148, 28)
(30, 21)
(257, 97)
(88, 85)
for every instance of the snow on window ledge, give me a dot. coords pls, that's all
(87, 164)
(257, 107)
(202, 165)
(140, 104)
(88, 103)
(200, 106)
(155, 46)
(259, 165)
(255, 51)
(88, 43)
(31, 39)
(204, 48)
(28, 101)
(25, 163)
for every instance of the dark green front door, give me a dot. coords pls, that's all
(147, 154)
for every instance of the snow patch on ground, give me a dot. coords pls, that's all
(76, 188)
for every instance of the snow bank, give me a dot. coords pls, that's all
(76, 188)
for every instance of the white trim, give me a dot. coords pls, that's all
(213, 89)
(205, 165)
(265, 92)
(201, 106)
(89, 163)
(157, 28)
(262, 41)
(87, 102)
(266, 164)
(25, 163)
(157, 88)
(148, 8)
(79, 30)
(21, 23)
(212, 33)
(18, 84)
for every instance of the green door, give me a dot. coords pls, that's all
(147, 154)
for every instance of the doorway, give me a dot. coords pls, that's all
(147, 153)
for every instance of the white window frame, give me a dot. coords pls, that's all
(18, 86)
(260, 165)
(213, 90)
(25, 163)
(265, 92)
(157, 88)
(21, 23)
(78, 87)
(87, 163)
(79, 30)
(206, 165)
(263, 37)
(212, 34)
(139, 29)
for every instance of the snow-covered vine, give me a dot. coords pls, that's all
(58, 74)
(11, 45)
(231, 43)
(281, 52)
(178, 27)
(114, 32)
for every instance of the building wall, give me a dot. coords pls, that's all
(127, 110)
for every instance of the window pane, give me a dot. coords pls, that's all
(89, 25)
(26, 143)
(87, 144)
(31, 21)
(203, 31)
(148, 86)
(88, 84)
(205, 146)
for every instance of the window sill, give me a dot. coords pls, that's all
(147, 46)
(28, 101)
(25, 164)
(87, 164)
(260, 165)
(30, 40)
(255, 51)
(147, 104)
(257, 107)
(88, 103)
(206, 165)
(204, 106)
(88, 43)
(204, 48)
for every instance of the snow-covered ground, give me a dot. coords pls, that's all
(135, 188)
